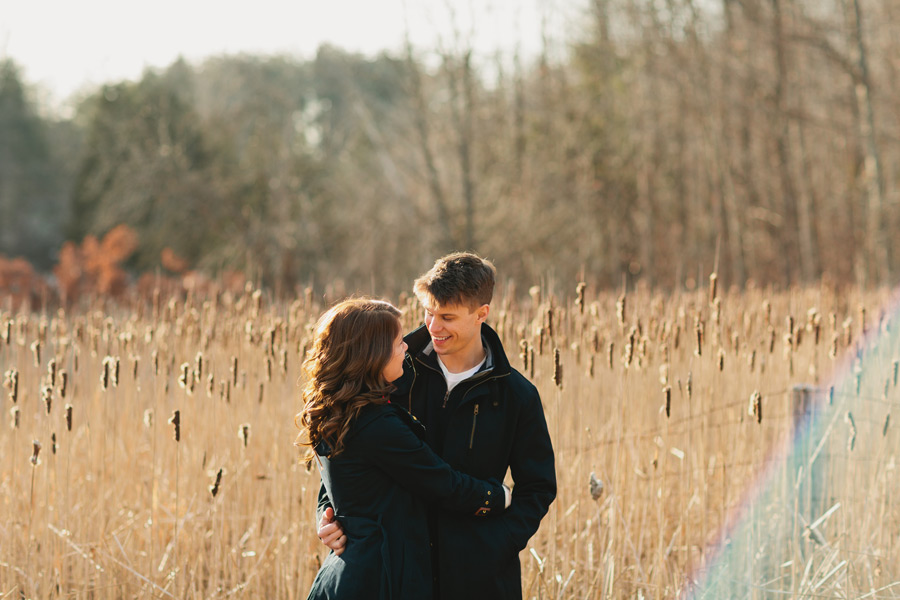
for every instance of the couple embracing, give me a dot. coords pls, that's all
(413, 437)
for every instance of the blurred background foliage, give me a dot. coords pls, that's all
(665, 139)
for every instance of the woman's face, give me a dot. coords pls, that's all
(394, 368)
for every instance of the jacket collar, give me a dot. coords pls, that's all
(420, 346)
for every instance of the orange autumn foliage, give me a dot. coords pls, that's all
(19, 282)
(94, 267)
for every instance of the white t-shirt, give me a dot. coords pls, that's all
(455, 378)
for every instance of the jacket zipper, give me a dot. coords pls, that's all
(474, 418)
(446, 397)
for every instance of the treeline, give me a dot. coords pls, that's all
(757, 137)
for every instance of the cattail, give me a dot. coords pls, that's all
(610, 349)
(154, 360)
(620, 310)
(283, 362)
(114, 371)
(68, 417)
(268, 369)
(896, 369)
(535, 293)
(767, 312)
(771, 339)
(135, 365)
(667, 394)
(36, 351)
(851, 440)
(887, 422)
(262, 387)
(751, 360)
(523, 354)
(35, 452)
(755, 408)
(720, 359)
(210, 385)
(7, 336)
(244, 433)
(713, 279)
(148, 418)
(688, 385)
(51, 372)
(234, 371)
(698, 330)
(53, 443)
(664, 374)
(832, 351)
(199, 365)
(47, 396)
(214, 488)
(175, 420)
(183, 379)
(557, 369)
(14, 417)
(11, 382)
(550, 329)
(531, 362)
(63, 383)
(579, 296)
(257, 302)
(104, 375)
(590, 367)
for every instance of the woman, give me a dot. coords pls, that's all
(375, 468)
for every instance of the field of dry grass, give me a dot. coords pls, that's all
(680, 408)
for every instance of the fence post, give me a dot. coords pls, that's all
(806, 473)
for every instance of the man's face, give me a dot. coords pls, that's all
(454, 327)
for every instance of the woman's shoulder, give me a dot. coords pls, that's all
(376, 419)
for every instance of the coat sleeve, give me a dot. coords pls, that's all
(533, 471)
(323, 503)
(398, 451)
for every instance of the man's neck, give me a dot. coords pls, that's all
(459, 362)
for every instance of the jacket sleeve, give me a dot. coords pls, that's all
(323, 503)
(398, 451)
(533, 470)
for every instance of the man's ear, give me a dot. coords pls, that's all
(483, 312)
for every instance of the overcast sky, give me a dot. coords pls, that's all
(64, 46)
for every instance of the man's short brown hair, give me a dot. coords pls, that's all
(458, 278)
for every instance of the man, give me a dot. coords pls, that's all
(482, 417)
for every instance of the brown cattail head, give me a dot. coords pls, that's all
(720, 359)
(713, 280)
(51, 372)
(175, 420)
(210, 385)
(114, 371)
(11, 382)
(135, 366)
(755, 407)
(148, 418)
(14, 417)
(7, 336)
(268, 368)
(68, 417)
(198, 360)
(579, 296)
(523, 353)
(234, 371)
(63, 383)
(688, 384)
(53, 443)
(284, 362)
(47, 397)
(667, 394)
(557, 368)
(244, 433)
(36, 351)
(214, 488)
(184, 378)
(698, 330)
(35, 452)
(610, 350)
(154, 359)
(104, 375)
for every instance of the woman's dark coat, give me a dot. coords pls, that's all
(378, 487)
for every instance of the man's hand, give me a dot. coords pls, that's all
(331, 533)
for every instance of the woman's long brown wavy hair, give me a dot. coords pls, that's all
(345, 369)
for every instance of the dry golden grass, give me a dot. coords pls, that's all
(665, 410)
